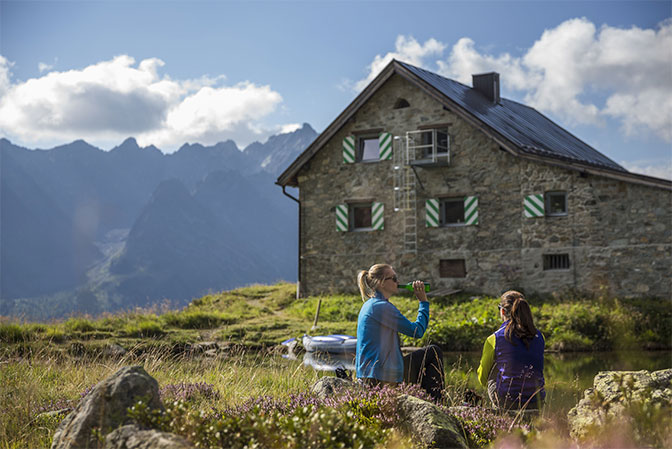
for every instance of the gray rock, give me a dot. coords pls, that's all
(205, 346)
(212, 353)
(605, 400)
(133, 437)
(328, 386)
(105, 408)
(430, 424)
(114, 350)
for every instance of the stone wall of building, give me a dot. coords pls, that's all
(617, 234)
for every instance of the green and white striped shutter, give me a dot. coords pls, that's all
(342, 218)
(349, 150)
(377, 216)
(534, 206)
(432, 213)
(385, 146)
(471, 210)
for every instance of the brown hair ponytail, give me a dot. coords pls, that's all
(518, 312)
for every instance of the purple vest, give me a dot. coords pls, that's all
(519, 369)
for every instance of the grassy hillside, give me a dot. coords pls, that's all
(259, 317)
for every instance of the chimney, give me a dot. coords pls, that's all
(487, 84)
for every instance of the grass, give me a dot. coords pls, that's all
(262, 316)
(44, 383)
(47, 366)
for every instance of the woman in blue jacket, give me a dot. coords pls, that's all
(379, 359)
(512, 364)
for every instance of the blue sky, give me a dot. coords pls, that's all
(170, 72)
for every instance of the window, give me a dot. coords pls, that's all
(401, 103)
(556, 204)
(360, 216)
(452, 268)
(451, 211)
(434, 140)
(556, 262)
(367, 149)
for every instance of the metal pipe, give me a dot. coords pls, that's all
(298, 275)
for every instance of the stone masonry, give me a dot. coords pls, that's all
(617, 234)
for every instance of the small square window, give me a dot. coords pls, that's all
(360, 216)
(451, 211)
(452, 268)
(556, 204)
(556, 262)
(367, 149)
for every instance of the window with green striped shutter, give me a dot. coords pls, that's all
(342, 220)
(470, 210)
(432, 213)
(360, 217)
(349, 150)
(377, 216)
(533, 205)
(385, 146)
(451, 211)
(368, 148)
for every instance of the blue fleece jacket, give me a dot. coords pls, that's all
(378, 348)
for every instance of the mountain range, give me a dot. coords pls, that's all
(84, 230)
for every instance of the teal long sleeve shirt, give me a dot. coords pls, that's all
(378, 349)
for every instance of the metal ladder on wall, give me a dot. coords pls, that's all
(404, 191)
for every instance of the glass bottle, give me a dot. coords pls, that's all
(409, 286)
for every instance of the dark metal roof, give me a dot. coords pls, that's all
(520, 130)
(522, 125)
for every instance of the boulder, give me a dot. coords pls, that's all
(328, 385)
(605, 400)
(133, 437)
(105, 408)
(424, 420)
(114, 350)
(430, 424)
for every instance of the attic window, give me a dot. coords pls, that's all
(401, 103)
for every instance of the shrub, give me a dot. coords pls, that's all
(310, 426)
(197, 319)
(143, 328)
(333, 308)
(188, 392)
(12, 333)
(482, 425)
(79, 324)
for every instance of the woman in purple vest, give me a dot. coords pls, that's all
(512, 364)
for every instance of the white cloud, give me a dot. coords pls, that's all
(111, 100)
(290, 128)
(214, 114)
(407, 49)
(575, 71)
(5, 67)
(659, 169)
(464, 60)
(44, 67)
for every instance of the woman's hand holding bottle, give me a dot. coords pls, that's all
(419, 290)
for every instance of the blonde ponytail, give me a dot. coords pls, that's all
(368, 281)
(364, 287)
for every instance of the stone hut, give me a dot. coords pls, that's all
(457, 186)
